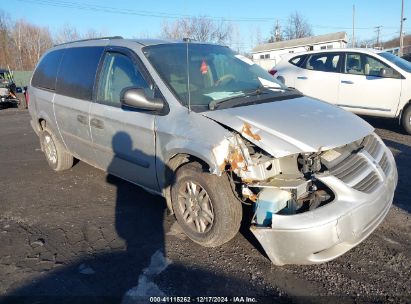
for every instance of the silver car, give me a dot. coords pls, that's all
(212, 132)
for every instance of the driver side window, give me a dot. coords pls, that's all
(373, 67)
(118, 72)
(361, 64)
(354, 64)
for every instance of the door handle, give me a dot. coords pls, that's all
(302, 77)
(97, 123)
(347, 81)
(82, 119)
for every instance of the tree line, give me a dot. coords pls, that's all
(205, 29)
(23, 43)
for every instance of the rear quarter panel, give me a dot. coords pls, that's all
(287, 71)
(405, 98)
(41, 108)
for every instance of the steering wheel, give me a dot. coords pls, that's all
(225, 79)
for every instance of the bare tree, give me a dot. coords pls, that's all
(70, 33)
(255, 36)
(197, 28)
(236, 42)
(23, 43)
(5, 39)
(276, 33)
(29, 43)
(65, 34)
(395, 42)
(297, 27)
(92, 33)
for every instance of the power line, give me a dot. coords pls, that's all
(116, 10)
(144, 13)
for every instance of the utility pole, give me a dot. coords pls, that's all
(400, 52)
(353, 27)
(378, 30)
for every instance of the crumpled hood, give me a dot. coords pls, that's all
(293, 126)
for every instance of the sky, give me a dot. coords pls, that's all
(134, 18)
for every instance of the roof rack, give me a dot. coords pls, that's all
(90, 39)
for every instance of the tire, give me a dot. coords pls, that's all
(22, 101)
(56, 155)
(406, 120)
(217, 218)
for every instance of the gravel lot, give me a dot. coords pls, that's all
(94, 238)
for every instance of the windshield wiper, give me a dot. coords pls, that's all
(253, 92)
(215, 103)
(264, 88)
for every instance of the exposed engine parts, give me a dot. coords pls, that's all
(310, 163)
(283, 186)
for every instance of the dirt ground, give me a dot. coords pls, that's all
(83, 236)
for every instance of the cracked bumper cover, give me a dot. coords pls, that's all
(326, 233)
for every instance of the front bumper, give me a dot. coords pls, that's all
(327, 232)
(5, 99)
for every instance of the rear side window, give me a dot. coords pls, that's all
(297, 61)
(46, 72)
(77, 72)
(325, 62)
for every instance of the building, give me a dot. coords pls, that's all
(268, 54)
(395, 50)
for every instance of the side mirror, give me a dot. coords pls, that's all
(383, 72)
(136, 98)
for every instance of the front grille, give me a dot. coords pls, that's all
(357, 170)
(377, 150)
(384, 164)
(368, 184)
(372, 145)
(350, 168)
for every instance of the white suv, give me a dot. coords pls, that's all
(363, 81)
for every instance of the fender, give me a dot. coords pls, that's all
(183, 147)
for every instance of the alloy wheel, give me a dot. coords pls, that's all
(195, 207)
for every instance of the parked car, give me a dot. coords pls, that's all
(8, 91)
(367, 82)
(407, 57)
(209, 130)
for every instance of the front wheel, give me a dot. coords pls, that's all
(406, 120)
(205, 206)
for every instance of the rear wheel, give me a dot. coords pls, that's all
(205, 206)
(406, 119)
(57, 156)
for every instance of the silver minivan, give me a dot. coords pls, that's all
(211, 131)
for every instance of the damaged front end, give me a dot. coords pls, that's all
(310, 207)
(285, 185)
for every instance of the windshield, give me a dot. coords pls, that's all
(216, 73)
(401, 63)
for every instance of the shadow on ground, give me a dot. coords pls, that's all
(403, 161)
(391, 124)
(134, 274)
(402, 154)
